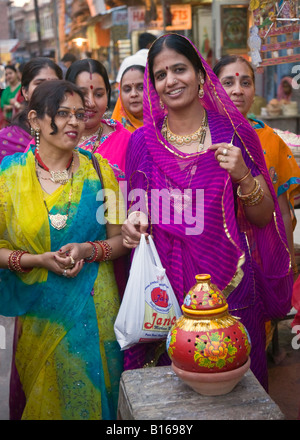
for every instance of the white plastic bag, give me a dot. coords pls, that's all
(149, 307)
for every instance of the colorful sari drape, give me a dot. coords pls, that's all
(67, 358)
(250, 264)
(112, 147)
(125, 117)
(281, 164)
(13, 139)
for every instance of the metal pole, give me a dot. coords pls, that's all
(38, 27)
(163, 5)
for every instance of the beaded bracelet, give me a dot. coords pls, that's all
(106, 249)
(14, 263)
(94, 255)
(253, 198)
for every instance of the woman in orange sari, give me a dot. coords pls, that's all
(129, 107)
(237, 77)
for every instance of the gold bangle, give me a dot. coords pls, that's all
(243, 178)
(254, 197)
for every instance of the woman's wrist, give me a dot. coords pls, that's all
(20, 261)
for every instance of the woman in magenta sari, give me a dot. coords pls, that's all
(224, 218)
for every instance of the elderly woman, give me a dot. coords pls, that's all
(57, 272)
(196, 147)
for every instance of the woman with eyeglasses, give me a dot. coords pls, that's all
(57, 245)
(105, 136)
(16, 137)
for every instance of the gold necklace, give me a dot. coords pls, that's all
(59, 221)
(97, 133)
(59, 176)
(179, 140)
(97, 141)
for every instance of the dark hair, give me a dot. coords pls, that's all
(11, 67)
(48, 96)
(91, 66)
(33, 67)
(69, 57)
(145, 39)
(30, 70)
(134, 67)
(230, 59)
(180, 45)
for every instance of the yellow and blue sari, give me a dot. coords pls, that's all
(67, 357)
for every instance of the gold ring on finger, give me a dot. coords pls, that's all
(126, 241)
(72, 261)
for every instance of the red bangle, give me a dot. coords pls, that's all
(94, 255)
(106, 250)
(14, 263)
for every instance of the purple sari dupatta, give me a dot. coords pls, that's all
(250, 264)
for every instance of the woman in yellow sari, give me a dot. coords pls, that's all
(129, 106)
(56, 245)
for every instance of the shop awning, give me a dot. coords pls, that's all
(7, 46)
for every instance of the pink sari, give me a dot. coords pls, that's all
(112, 147)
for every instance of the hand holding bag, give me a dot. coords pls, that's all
(149, 307)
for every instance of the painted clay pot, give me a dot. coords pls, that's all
(207, 341)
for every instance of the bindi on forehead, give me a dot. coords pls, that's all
(91, 87)
(237, 74)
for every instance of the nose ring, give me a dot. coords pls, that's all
(174, 81)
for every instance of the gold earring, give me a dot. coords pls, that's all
(201, 92)
(37, 137)
(162, 105)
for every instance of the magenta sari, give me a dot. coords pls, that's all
(13, 139)
(250, 264)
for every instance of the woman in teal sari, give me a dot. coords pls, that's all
(57, 240)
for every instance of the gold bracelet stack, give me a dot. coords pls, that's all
(253, 198)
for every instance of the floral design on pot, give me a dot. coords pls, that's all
(206, 338)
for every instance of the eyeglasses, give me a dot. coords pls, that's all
(80, 115)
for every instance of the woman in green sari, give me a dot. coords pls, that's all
(57, 240)
(9, 93)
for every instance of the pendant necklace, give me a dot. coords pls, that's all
(60, 177)
(59, 221)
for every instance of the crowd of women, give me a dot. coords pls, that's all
(65, 251)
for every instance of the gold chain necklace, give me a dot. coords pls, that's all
(179, 140)
(97, 133)
(59, 176)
